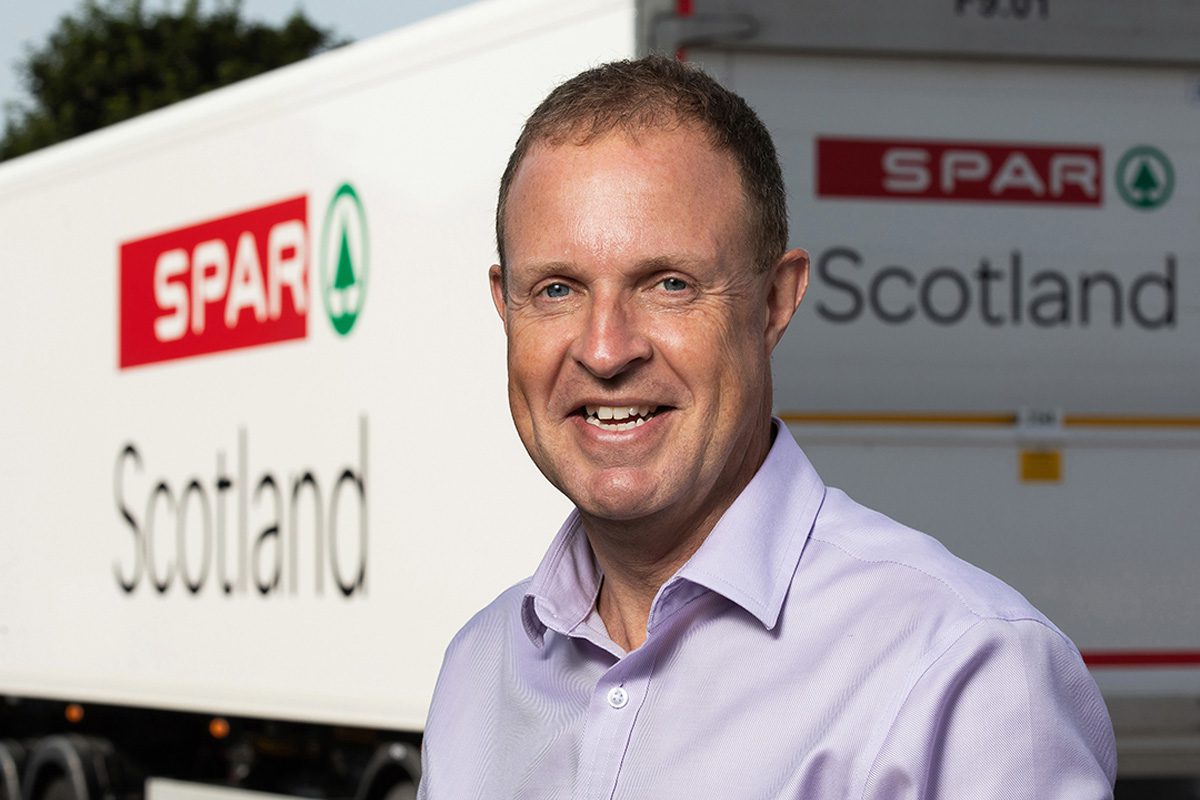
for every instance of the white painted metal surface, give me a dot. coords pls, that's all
(412, 401)
(164, 789)
(885, 408)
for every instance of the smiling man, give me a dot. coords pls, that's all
(712, 621)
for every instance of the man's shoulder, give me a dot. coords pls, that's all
(496, 619)
(911, 567)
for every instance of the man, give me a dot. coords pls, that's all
(712, 621)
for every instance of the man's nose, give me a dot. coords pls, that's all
(613, 339)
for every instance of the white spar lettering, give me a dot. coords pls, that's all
(967, 166)
(907, 171)
(213, 278)
(1077, 169)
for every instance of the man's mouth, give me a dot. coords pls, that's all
(619, 418)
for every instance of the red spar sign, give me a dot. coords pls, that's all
(994, 172)
(233, 282)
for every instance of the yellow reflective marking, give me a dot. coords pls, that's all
(1041, 466)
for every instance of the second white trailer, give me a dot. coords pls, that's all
(258, 465)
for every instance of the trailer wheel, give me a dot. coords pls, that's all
(68, 768)
(402, 791)
(58, 787)
(392, 774)
(12, 758)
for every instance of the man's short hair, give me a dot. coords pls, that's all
(661, 93)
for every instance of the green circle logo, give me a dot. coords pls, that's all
(344, 258)
(1145, 179)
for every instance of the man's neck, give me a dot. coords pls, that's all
(638, 557)
(632, 578)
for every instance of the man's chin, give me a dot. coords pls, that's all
(621, 495)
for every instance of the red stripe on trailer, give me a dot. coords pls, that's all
(683, 8)
(1142, 658)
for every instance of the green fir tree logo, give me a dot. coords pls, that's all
(344, 254)
(1145, 179)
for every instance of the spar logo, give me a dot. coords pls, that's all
(344, 259)
(1010, 172)
(972, 171)
(1145, 178)
(240, 280)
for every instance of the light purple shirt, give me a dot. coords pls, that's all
(811, 648)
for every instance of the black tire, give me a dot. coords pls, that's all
(391, 774)
(12, 758)
(67, 767)
(401, 791)
(57, 788)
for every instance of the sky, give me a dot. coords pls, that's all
(29, 23)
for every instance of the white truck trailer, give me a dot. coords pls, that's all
(257, 463)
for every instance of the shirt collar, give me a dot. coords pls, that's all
(563, 590)
(748, 558)
(752, 553)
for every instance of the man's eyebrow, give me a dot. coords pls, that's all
(542, 268)
(537, 270)
(666, 263)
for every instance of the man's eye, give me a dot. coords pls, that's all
(557, 290)
(674, 284)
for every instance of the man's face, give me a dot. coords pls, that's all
(639, 329)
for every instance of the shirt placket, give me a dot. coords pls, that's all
(612, 713)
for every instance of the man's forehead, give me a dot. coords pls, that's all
(665, 195)
(682, 133)
(678, 157)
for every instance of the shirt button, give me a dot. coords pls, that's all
(618, 697)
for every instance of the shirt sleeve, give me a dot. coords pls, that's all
(1008, 711)
(425, 784)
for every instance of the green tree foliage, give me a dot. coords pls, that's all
(114, 59)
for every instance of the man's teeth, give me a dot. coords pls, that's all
(618, 418)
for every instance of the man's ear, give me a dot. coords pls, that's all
(496, 278)
(789, 279)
